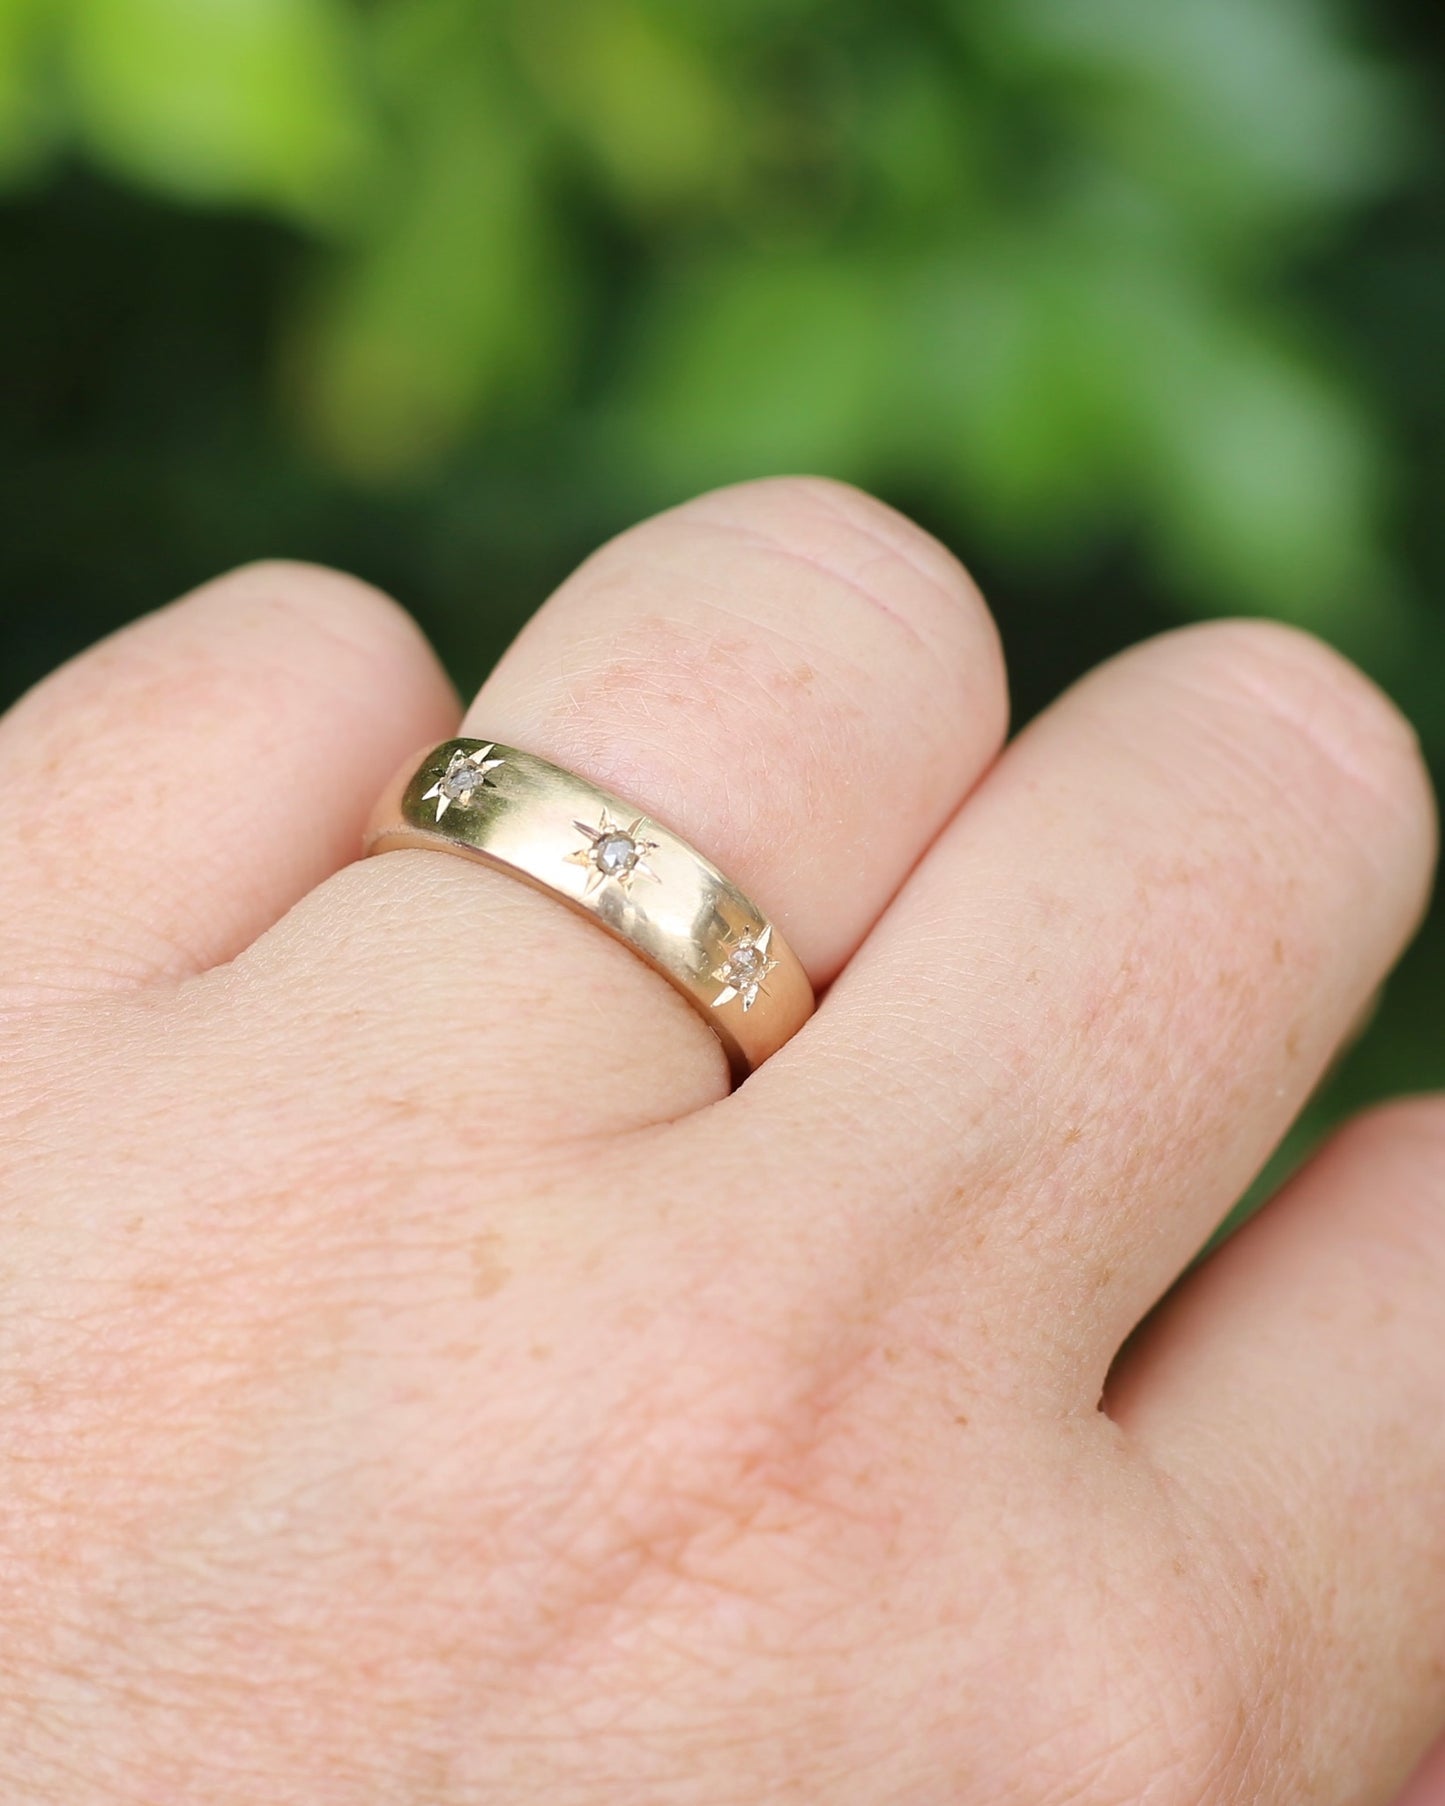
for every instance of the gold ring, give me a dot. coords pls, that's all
(617, 865)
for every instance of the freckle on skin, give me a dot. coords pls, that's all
(1279, 953)
(1292, 1044)
(489, 1271)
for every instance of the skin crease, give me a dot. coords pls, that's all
(423, 1383)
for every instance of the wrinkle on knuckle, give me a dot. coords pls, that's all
(687, 1480)
(717, 1472)
(1176, 1738)
(859, 546)
(1319, 709)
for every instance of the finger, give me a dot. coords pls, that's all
(1427, 1787)
(791, 676)
(1294, 1388)
(169, 794)
(801, 681)
(1109, 988)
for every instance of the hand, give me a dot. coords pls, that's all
(423, 1384)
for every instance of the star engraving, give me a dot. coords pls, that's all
(745, 968)
(613, 852)
(465, 775)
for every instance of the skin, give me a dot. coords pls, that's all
(423, 1383)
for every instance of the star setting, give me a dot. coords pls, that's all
(746, 966)
(613, 853)
(465, 775)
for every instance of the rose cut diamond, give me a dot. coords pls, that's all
(613, 853)
(465, 775)
(743, 972)
(460, 782)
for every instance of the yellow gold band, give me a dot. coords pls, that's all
(616, 864)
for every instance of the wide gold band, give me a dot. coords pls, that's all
(616, 864)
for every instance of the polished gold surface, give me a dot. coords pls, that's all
(623, 868)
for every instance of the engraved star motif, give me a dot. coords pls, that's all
(747, 965)
(465, 775)
(613, 852)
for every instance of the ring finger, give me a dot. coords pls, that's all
(788, 674)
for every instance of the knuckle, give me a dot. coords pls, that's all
(724, 1463)
(1412, 1128)
(724, 662)
(1314, 697)
(866, 548)
(1394, 1153)
(357, 619)
(1185, 1737)
(291, 580)
(729, 1458)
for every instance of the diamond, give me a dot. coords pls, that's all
(745, 961)
(460, 782)
(465, 775)
(747, 965)
(613, 852)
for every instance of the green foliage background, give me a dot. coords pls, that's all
(1137, 303)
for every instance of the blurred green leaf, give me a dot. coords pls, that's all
(636, 92)
(25, 116)
(1267, 493)
(1075, 383)
(454, 301)
(1026, 253)
(223, 100)
(757, 365)
(923, 141)
(1014, 372)
(1247, 116)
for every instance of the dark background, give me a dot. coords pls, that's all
(1138, 304)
